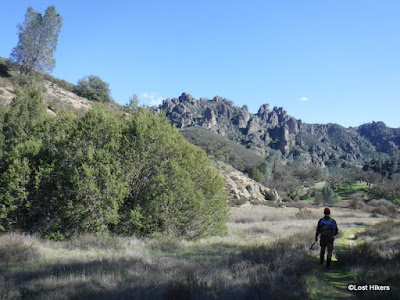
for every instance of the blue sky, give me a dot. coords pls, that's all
(323, 61)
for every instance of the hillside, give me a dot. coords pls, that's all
(58, 93)
(239, 138)
(265, 245)
(317, 144)
(268, 130)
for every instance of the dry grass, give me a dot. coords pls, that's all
(244, 220)
(382, 207)
(264, 255)
(257, 230)
(17, 248)
(383, 230)
(377, 259)
(305, 213)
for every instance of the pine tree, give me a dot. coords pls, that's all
(38, 37)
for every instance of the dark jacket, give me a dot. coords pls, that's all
(324, 222)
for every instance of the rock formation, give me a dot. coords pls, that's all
(267, 130)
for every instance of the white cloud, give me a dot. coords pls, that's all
(303, 98)
(152, 99)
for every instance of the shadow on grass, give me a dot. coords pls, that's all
(285, 269)
(368, 265)
(223, 271)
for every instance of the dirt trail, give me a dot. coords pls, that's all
(248, 221)
(338, 278)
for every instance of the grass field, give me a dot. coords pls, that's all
(264, 256)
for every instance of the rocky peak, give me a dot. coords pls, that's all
(384, 138)
(187, 98)
(209, 115)
(263, 112)
(275, 129)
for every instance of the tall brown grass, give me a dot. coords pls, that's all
(19, 248)
(376, 261)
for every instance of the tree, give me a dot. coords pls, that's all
(93, 88)
(256, 175)
(329, 195)
(21, 131)
(103, 172)
(133, 104)
(38, 37)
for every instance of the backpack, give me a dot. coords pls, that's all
(327, 228)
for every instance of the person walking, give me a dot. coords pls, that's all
(326, 231)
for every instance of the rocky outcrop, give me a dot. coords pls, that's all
(321, 145)
(220, 115)
(385, 139)
(242, 189)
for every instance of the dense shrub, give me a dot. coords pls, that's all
(104, 172)
(4, 70)
(93, 88)
(329, 196)
(256, 175)
(382, 206)
(356, 201)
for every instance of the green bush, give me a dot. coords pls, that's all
(93, 88)
(329, 195)
(104, 173)
(256, 175)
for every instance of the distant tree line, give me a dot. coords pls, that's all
(385, 167)
(125, 173)
(290, 177)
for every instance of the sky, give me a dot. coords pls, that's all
(323, 61)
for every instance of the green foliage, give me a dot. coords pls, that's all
(27, 111)
(133, 104)
(93, 88)
(21, 145)
(104, 172)
(256, 175)
(329, 195)
(222, 149)
(38, 37)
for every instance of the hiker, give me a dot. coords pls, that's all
(326, 230)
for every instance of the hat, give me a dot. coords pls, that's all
(327, 211)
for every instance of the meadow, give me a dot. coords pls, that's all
(265, 255)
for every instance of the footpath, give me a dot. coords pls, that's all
(336, 277)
